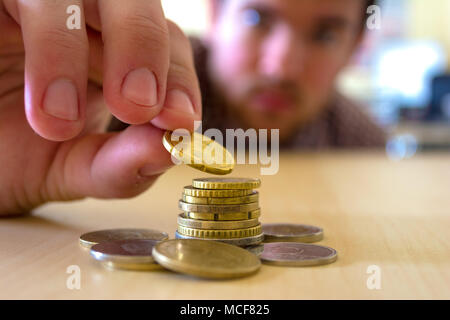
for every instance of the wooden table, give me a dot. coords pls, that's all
(395, 215)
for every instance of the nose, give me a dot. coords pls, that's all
(281, 55)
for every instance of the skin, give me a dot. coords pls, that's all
(276, 61)
(49, 158)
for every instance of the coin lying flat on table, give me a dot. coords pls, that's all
(206, 259)
(126, 254)
(285, 232)
(220, 234)
(217, 225)
(255, 249)
(226, 183)
(296, 254)
(89, 239)
(210, 193)
(223, 216)
(225, 208)
(240, 242)
(185, 149)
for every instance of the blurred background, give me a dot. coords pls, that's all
(400, 73)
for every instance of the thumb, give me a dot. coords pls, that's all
(109, 165)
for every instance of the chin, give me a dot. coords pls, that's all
(269, 125)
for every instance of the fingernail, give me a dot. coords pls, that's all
(140, 87)
(151, 170)
(61, 100)
(179, 101)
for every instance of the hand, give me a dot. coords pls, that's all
(59, 86)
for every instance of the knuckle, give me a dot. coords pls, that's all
(182, 71)
(184, 77)
(145, 31)
(175, 31)
(63, 39)
(178, 36)
(182, 61)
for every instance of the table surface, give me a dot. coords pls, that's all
(374, 211)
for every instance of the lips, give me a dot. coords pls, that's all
(271, 101)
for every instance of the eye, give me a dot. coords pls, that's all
(256, 18)
(325, 36)
(251, 17)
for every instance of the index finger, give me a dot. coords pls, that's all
(136, 58)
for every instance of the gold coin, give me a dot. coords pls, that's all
(194, 192)
(231, 200)
(224, 208)
(241, 242)
(255, 249)
(220, 234)
(126, 254)
(206, 259)
(199, 152)
(89, 239)
(218, 225)
(226, 183)
(223, 216)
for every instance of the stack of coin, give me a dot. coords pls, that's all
(221, 209)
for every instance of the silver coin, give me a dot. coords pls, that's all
(89, 239)
(286, 232)
(133, 254)
(224, 208)
(241, 242)
(297, 254)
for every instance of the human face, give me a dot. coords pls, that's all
(276, 60)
